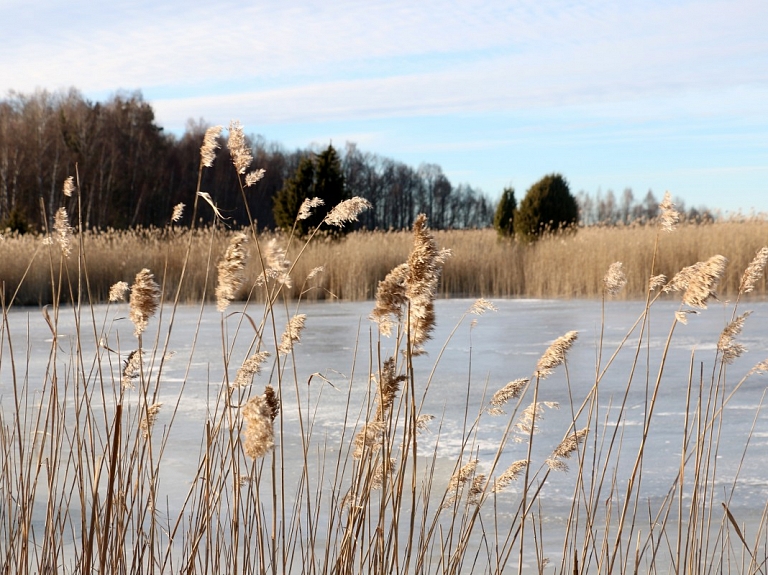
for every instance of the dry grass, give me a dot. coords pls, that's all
(481, 264)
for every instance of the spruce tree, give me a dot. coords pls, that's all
(295, 190)
(504, 217)
(319, 177)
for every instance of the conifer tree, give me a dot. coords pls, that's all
(548, 206)
(504, 218)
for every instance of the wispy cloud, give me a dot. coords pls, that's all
(592, 86)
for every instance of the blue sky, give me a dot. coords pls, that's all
(668, 95)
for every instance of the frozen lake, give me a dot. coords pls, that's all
(339, 343)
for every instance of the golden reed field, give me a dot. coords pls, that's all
(481, 264)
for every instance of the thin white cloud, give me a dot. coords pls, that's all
(202, 45)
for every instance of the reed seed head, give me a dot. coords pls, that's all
(726, 344)
(259, 434)
(178, 211)
(476, 489)
(145, 299)
(458, 479)
(368, 438)
(481, 306)
(250, 367)
(555, 354)
(390, 299)
(387, 388)
(63, 231)
(149, 419)
(69, 186)
(277, 264)
(422, 422)
(510, 474)
(424, 267)
(117, 292)
(699, 281)
(131, 369)
(231, 271)
(526, 423)
(210, 145)
(315, 271)
(307, 206)
(669, 216)
(238, 148)
(682, 315)
(566, 449)
(346, 211)
(510, 391)
(754, 271)
(252, 177)
(760, 368)
(384, 469)
(615, 280)
(292, 333)
(656, 282)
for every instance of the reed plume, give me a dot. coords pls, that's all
(131, 369)
(118, 291)
(726, 344)
(231, 271)
(668, 216)
(754, 271)
(510, 474)
(510, 391)
(255, 176)
(305, 211)
(69, 186)
(387, 388)
(238, 148)
(566, 449)
(149, 419)
(368, 438)
(698, 281)
(346, 211)
(210, 145)
(526, 423)
(145, 299)
(259, 414)
(424, 266)
(555, 354)
(250, 367)
(413, 285)
(390, 299)
(615, 279)
(481, 306)
(292, 333)
(655, 282)
(63, 231)
(178, 211)
(457, 481)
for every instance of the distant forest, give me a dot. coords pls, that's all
(132, 172)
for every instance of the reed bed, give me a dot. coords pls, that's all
(482, 264)
(82, 454)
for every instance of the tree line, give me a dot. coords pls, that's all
(131, 172)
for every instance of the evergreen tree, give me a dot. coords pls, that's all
(295, 190)
(547, 206)
(320, 177)
(504, 218)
